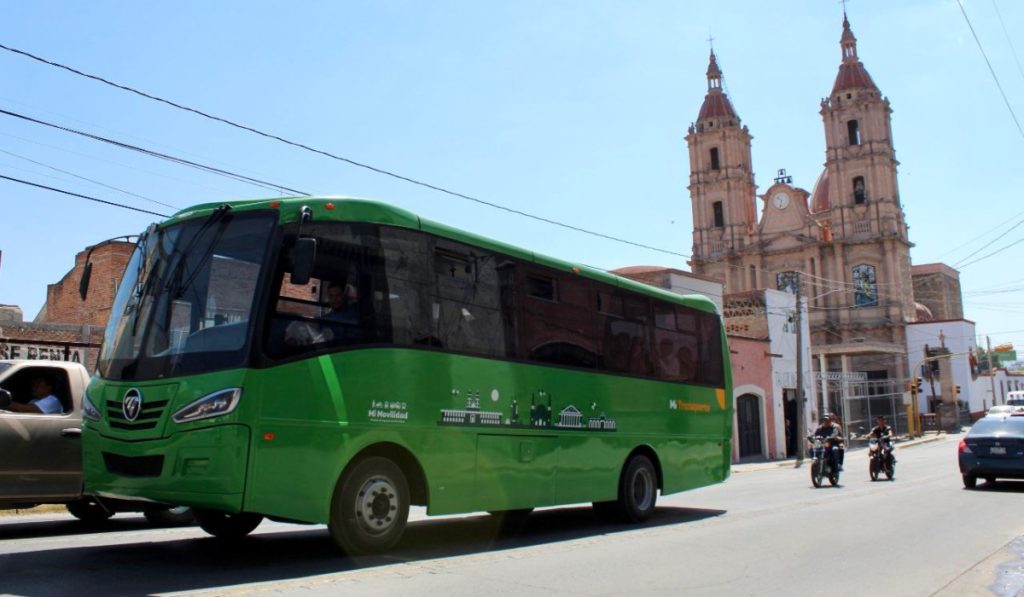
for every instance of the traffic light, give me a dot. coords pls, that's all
(956, 390)
(916, 386)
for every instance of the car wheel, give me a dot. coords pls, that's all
(370, 507)
(970, 481)
(990, 480)
(225, 525)
(170, 517)
(89, 510)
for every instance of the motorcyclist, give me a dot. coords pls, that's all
(829, 430)
(884, 433)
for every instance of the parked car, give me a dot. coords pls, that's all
(1001, 409)
(41, 454)
(1015, 398)
(993, 448)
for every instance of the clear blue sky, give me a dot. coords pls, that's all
(575, 111)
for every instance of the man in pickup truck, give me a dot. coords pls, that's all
(43, 399)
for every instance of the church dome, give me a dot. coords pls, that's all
(819, 196)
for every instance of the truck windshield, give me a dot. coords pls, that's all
(185, 301)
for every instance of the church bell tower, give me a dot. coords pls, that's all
(721, 185)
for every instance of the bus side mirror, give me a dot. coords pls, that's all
(5, 398)
(83, 284)
(303, 257)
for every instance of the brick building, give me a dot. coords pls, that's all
(68, 328)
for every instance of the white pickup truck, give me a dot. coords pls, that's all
(41, 454)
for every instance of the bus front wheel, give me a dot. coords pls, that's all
(225, 525)
(370, 507)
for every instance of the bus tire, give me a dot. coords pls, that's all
(370, 507)
(88, 510)
(225, 525)
(638, 492)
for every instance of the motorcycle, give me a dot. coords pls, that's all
(823, 461)
(881, 458)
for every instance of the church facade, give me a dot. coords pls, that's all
(843, 247)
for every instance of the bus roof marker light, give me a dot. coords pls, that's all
(575, 270)
(329, 206)
(275, 204)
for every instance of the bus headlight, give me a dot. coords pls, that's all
(89, 410)
(213, 405)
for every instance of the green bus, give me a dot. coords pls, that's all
(323, 360)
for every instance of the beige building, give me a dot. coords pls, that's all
(844, 245)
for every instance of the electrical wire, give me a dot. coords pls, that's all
(157, 154)
(340, 158)
(79, 195)
(960, 3)
(95, 182)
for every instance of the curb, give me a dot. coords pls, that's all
(793, 463)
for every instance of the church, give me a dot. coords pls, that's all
(843, 247)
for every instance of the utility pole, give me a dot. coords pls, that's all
(800, 400)
(991, 370)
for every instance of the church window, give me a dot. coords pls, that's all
(787, 281)
(714, 159)
(859, 195)
(719, 214)
(753, 277)
(865, 288)
(853, 128)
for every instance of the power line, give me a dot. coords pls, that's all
(960, 3)
(96, 182)
(989, 243)
(104, 201)
(1008, 39)
(163, 156)
(338, 157)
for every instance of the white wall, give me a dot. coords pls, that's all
(959, 338)
(781, 307)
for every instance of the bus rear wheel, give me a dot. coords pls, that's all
(370, 507)
(638, 492)
(225, 525)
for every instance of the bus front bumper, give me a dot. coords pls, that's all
(201, 468)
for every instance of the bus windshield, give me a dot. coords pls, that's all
(184, 304)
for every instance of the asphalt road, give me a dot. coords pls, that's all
(764, 532)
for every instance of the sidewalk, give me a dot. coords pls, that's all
(749, 467)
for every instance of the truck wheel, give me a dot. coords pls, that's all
(89, 510)
(225, 525)
(170, 517)
(370, 507)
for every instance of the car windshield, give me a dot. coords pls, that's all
(185, 301)
(1001, 425)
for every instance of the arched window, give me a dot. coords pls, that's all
(854, 131)
(719, 214)
(859, 194)
(865, 290)
(714, 159)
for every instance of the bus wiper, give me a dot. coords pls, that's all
(175, 286)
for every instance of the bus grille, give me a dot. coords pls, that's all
(147, 419)
(137, 466)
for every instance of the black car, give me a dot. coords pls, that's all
(994, 448)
